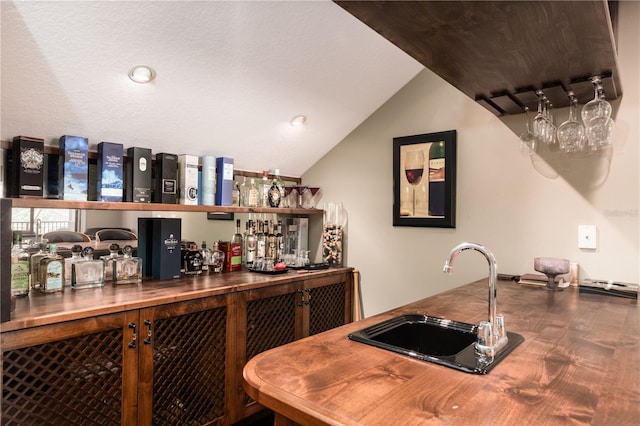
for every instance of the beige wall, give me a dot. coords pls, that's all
(502, 202)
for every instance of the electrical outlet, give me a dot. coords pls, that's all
(587, 237)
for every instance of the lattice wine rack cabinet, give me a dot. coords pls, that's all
(166, 363)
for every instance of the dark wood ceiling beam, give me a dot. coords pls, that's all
(493, 50)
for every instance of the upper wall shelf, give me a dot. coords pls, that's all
(500, 52)
(44, 203)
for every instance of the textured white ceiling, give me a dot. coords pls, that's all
(230, 76)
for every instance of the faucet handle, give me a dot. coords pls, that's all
(484, 338)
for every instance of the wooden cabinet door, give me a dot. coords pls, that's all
(183, 362)
(328, 303)
(268, 317)
(73, 373)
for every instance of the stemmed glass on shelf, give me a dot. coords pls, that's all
(543, 128)
(527, 138)
(413, 169)
(571, 134)
(596, 116)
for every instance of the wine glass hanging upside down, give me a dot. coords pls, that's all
(413, 169)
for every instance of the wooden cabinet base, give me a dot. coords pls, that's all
(166, 362)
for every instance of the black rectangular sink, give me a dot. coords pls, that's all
(438, 340)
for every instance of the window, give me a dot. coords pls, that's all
(41, 221)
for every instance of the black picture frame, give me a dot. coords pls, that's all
(437, 209)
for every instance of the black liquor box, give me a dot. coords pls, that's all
(159, 247)
(166, 179)
(27, 167)
(138, 175)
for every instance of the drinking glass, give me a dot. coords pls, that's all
(598, 106)
(315, 195)
(571, 133)
(413, 169)
(543, 127)
(600, 132)
(527, 138)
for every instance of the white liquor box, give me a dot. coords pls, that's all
(188, 179)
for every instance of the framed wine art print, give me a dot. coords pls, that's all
(424, 180)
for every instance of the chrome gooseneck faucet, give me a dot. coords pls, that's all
(492, 335)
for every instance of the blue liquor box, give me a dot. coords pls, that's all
(224, 181)
(159, 247)
(73, 168)
(110, 172)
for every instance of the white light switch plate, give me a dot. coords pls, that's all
(587, 237)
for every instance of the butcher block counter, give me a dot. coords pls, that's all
(579, 364)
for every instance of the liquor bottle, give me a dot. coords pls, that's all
(35, 265)
(19, 267)
(76, 256)
(279, 242)
(265, 185)
(235, 248)
(52, 271)
(261, 242)
(110, 262)
(128, 268)
(206, 256)
(235, 194)
(218, 258)
(87, 273)
(193, 261)
(280, 184)
(271, 244)
(242, 194)
(436, 179)
(250, 243)
(253, 194)
(274, 196)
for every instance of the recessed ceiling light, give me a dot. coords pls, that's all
(142, 74)
(298, 120)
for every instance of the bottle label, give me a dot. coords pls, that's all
(31, 161)
(251, 250)
(20, 276)
(274, 196)
(436, 170)
(53, 275)
(261, 248)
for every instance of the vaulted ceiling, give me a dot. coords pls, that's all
(230, 76)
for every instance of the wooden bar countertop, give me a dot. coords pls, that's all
(42, 309)
(579, 364)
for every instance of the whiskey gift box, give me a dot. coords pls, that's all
(165, 188)
(224, 181)
(208, 187)
(27, 167)
(138, 176)
(188, 179)
(110, 172)
(159, 247)
(73, 168)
